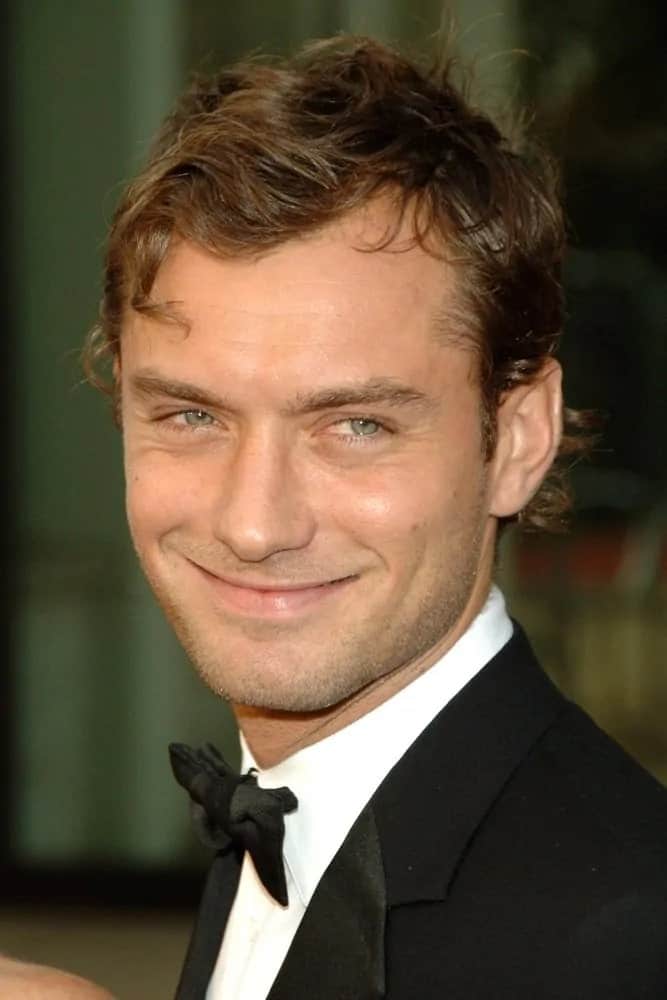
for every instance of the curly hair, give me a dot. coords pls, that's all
(271, 150)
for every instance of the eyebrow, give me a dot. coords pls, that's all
(384, 390)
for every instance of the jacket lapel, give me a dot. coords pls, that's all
(338, 950)
(202, 954)
(431, 803)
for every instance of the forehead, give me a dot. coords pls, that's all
(333, 300)
(338, 270)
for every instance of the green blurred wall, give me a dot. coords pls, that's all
(99, 678)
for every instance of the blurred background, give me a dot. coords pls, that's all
(99, 870)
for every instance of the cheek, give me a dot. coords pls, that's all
(389, 510)
(418, 515)
(159, 495)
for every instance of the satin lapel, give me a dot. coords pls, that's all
(216, 902)
(338, 950)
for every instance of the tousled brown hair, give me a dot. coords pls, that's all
(268, 151)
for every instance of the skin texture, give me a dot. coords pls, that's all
(38, 982)
(234, 475)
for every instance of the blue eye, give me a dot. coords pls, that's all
(361, 431)
(197, 418)
(364, 427)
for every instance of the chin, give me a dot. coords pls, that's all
(277, 690)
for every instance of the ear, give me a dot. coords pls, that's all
(530, 424)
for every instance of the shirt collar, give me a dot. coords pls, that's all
(334, 778)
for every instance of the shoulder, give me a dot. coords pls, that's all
(568, 870)
(586, 775)
(39, 982)
(583, 819)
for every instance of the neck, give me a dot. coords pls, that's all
(274, 735)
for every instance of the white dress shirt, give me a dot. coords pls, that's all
(333, 780)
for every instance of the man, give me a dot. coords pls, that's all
(332, 302)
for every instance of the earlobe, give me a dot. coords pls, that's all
(530, 419)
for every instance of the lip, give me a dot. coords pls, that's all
(269, 600)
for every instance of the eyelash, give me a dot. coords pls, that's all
(350, 440)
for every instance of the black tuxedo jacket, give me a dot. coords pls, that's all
(513, 852)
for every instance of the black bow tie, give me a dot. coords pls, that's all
(230, 809)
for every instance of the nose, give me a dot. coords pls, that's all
(263, 507)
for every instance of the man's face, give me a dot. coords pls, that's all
(305, 483)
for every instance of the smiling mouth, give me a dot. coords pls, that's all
(269, 600)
